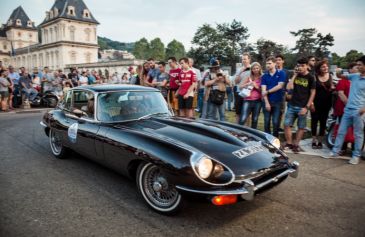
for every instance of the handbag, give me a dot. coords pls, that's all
(217, 97)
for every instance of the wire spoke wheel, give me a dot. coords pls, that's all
(55, 142)
(156, 190)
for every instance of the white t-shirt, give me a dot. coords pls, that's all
(83, 80)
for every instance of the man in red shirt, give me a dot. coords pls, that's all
(174, 75)
(187, 83)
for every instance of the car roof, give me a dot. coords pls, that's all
(112, 87)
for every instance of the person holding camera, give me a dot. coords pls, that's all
(216, 88)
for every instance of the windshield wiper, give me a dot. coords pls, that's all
(153, 114)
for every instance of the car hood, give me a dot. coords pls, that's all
(232, 147)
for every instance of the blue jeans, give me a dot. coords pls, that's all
(273, 115)
(351, 117)
(229, 97)
(213, 109)
(200, 99)
(248, 107)
(30, 94)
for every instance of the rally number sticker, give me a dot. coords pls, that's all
(72, 132)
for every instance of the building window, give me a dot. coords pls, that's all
(18, 22)
(51, 14)
(72, 33)
(19, 34)
(10, 22)
(55, 12)
(71, 10)
(87, 34)
(86, 13)
(30, 35)
(73, 57)
(29, 23)
(5, 46)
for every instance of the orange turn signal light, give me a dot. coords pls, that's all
(224, 200)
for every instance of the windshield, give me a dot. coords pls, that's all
(130, 105)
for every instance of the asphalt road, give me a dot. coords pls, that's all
(43, 196)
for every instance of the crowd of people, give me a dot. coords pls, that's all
(282, 95)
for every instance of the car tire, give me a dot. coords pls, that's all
(159, 195)
(55, 142)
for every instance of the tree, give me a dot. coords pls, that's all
(208, 44)
(142, 49)
(157, 49)
(306, 43)
(323, 42)
(266, 48)
(350, 57)
(223, 42)
(102, 44)
(175, 49)
(312, 43)
(235, 34)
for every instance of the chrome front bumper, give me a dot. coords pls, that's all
(247, 191)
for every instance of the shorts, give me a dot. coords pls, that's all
(172, 100)
(4, 94)
(185, 103)
(292, 114)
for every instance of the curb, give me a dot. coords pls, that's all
(26, 111)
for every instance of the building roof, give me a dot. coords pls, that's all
(62, 7)
(19, 14)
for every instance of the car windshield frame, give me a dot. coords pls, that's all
(168, 111)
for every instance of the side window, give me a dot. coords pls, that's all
(84, 101)
(67, 101)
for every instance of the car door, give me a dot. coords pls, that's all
(82, 129)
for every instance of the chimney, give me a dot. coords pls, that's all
(47, 15)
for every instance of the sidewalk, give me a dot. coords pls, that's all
(21, 111)
(306, 145)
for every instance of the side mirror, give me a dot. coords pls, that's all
(79, 113)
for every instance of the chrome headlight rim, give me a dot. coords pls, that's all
(274, 141)
(195, 159)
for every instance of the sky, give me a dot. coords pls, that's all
(129, 21)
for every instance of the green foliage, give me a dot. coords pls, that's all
(105, 43)
(223, 41)
(350, 57)
(266, 48)
(175, 49)
(142, 49)
(157, 49)
(312, 43)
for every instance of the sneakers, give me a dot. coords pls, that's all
(296, 149)
(331, 155)
(354, 160)
(287, 147)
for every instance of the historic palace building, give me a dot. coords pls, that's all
(67, 35)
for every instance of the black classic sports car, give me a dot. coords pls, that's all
(132, 130)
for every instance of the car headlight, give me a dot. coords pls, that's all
(273, 140)
(276, 143)
(204, 167)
